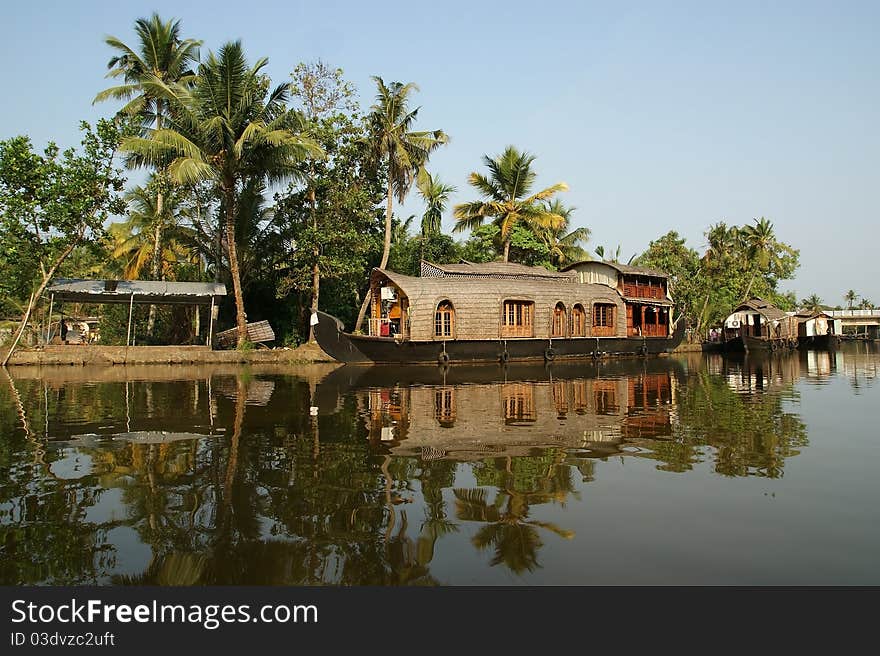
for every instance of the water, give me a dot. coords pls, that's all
(697, 470)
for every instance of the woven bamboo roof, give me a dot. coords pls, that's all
(762, 307)
(622, 268)
(490, 269)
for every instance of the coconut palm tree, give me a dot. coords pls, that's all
(608, 255)
(228, 128)
(401, 150)
(813, 303)
(507, 197)
(760, 243)
(850, 297)
(161, 55)
(563, 247)
(865, 304)
(134, 240)
(436, 194)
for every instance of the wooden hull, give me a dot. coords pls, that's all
(749, 344)
(819, 342)
(350, 348)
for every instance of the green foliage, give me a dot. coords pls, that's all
(51, 203)
(507, 198)
(738, 264)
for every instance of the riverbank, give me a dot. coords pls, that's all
(90, 355)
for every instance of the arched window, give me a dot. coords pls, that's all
(557, 328)
(578, 321)
(444, 320)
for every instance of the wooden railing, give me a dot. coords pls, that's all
(642, 291)
(649, 330)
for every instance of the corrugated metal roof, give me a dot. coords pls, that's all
(144, 291)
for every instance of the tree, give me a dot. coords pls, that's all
(164, 57)
(324, 95)
(436, 194)
(671, 255)
(564, 247)
(850, 297)
(50, 204)
(402, 151)
(760, 242)
(507, 197)
(813, 303)
(228, 128)
(133, 241)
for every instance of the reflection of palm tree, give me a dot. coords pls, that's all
(508, 531)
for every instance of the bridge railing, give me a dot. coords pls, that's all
(841, 314)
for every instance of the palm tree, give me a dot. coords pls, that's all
(608, 256)
(760, 242)
(865, 304)
(402, 151)
(436, 194)
(563, 247)
(813, 303)
(850, 298)
(162, 56)
(133, 240)
(228, 128)
(507, 198)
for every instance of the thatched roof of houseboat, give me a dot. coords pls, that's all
(489, 270)
(761, 306)
(622, 268)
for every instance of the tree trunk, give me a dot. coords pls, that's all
(385, 254)
(37, 294)
(157, 257)
(749, 287)
(240, 316)
(316, 270)
(506, 249)
(157, 232)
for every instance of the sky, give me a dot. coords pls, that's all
(658, 115)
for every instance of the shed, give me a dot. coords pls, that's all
(131, 292)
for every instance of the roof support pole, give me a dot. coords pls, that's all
(49, 322)
(210, 324)
(128, 333)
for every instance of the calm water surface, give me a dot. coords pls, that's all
(694, 470)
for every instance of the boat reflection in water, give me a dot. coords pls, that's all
(518, 410)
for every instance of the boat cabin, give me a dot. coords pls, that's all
(502, 300)
(816, 324)
(758, 319)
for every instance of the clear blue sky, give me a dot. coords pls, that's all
(658, 115)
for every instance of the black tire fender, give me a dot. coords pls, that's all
(549, 354)
(443, 358)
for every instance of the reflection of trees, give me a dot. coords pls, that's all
(522, 483)
(750, 433)
(35, 546)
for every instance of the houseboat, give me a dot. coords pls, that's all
(757, 325)
(500, 311)
(817, 330)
